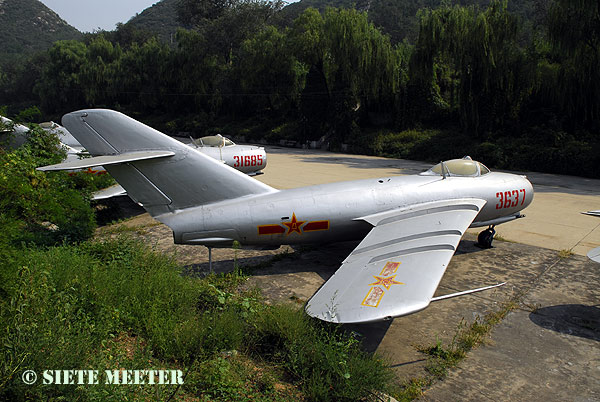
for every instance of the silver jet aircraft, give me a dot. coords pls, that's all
(249, 159)
(410, 226)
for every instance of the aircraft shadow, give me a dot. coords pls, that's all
(370, 335)
(249, 265)
(571, 319)
(467, 246)
(116, 208)
(324, 260)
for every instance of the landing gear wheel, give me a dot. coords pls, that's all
(485, 238)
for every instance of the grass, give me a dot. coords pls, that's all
(565, 253)
(531, 307)
(441, 359)
(116, 304)
(499, 237)
(117, 228)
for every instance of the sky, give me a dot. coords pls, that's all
(90, 15)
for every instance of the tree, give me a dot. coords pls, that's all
(269, 73)
(18, 79)
(198, 74)
(227, 22)
(306, 38)
(144, 75)
(574, 32)
(99, 72)
(470, 60)
(59, 88)
(348, 58)
(127, 34)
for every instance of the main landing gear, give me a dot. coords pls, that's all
(485, 238)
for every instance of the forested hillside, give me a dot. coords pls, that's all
(27, 26)
(398, 18)
(160, 20)
(471, 83)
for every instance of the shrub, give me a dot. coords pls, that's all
(39, 207)
(328, 363)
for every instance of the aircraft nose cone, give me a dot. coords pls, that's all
(528, 187)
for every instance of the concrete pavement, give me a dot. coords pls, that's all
(547, 349)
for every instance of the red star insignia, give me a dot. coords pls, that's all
(294, 225)
(386, 282)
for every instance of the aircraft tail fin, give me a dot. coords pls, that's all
(185, 179)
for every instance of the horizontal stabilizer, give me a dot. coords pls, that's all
(107, 160)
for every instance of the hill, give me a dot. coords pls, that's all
(27, 26)
(397, 18)
(160, 19)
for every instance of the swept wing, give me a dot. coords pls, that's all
(397, 267)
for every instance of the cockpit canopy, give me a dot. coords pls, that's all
(465, 167)
(213, 141)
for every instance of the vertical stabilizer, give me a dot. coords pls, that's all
(186, 179)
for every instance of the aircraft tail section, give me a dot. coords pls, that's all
(183, 179)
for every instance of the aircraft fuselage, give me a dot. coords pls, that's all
(332, 212)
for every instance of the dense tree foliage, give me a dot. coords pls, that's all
(60, 86)
(334, 76)
(227, 22)
(471, 62)
(574, 31)
(352, 68)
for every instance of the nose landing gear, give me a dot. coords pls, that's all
(485, 238)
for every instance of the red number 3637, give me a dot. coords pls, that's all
(510, 199)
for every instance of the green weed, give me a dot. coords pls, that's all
(329, 365)
(113, 304)
(565, 253)
(441, 359)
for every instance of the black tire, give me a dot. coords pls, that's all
(485, 238)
